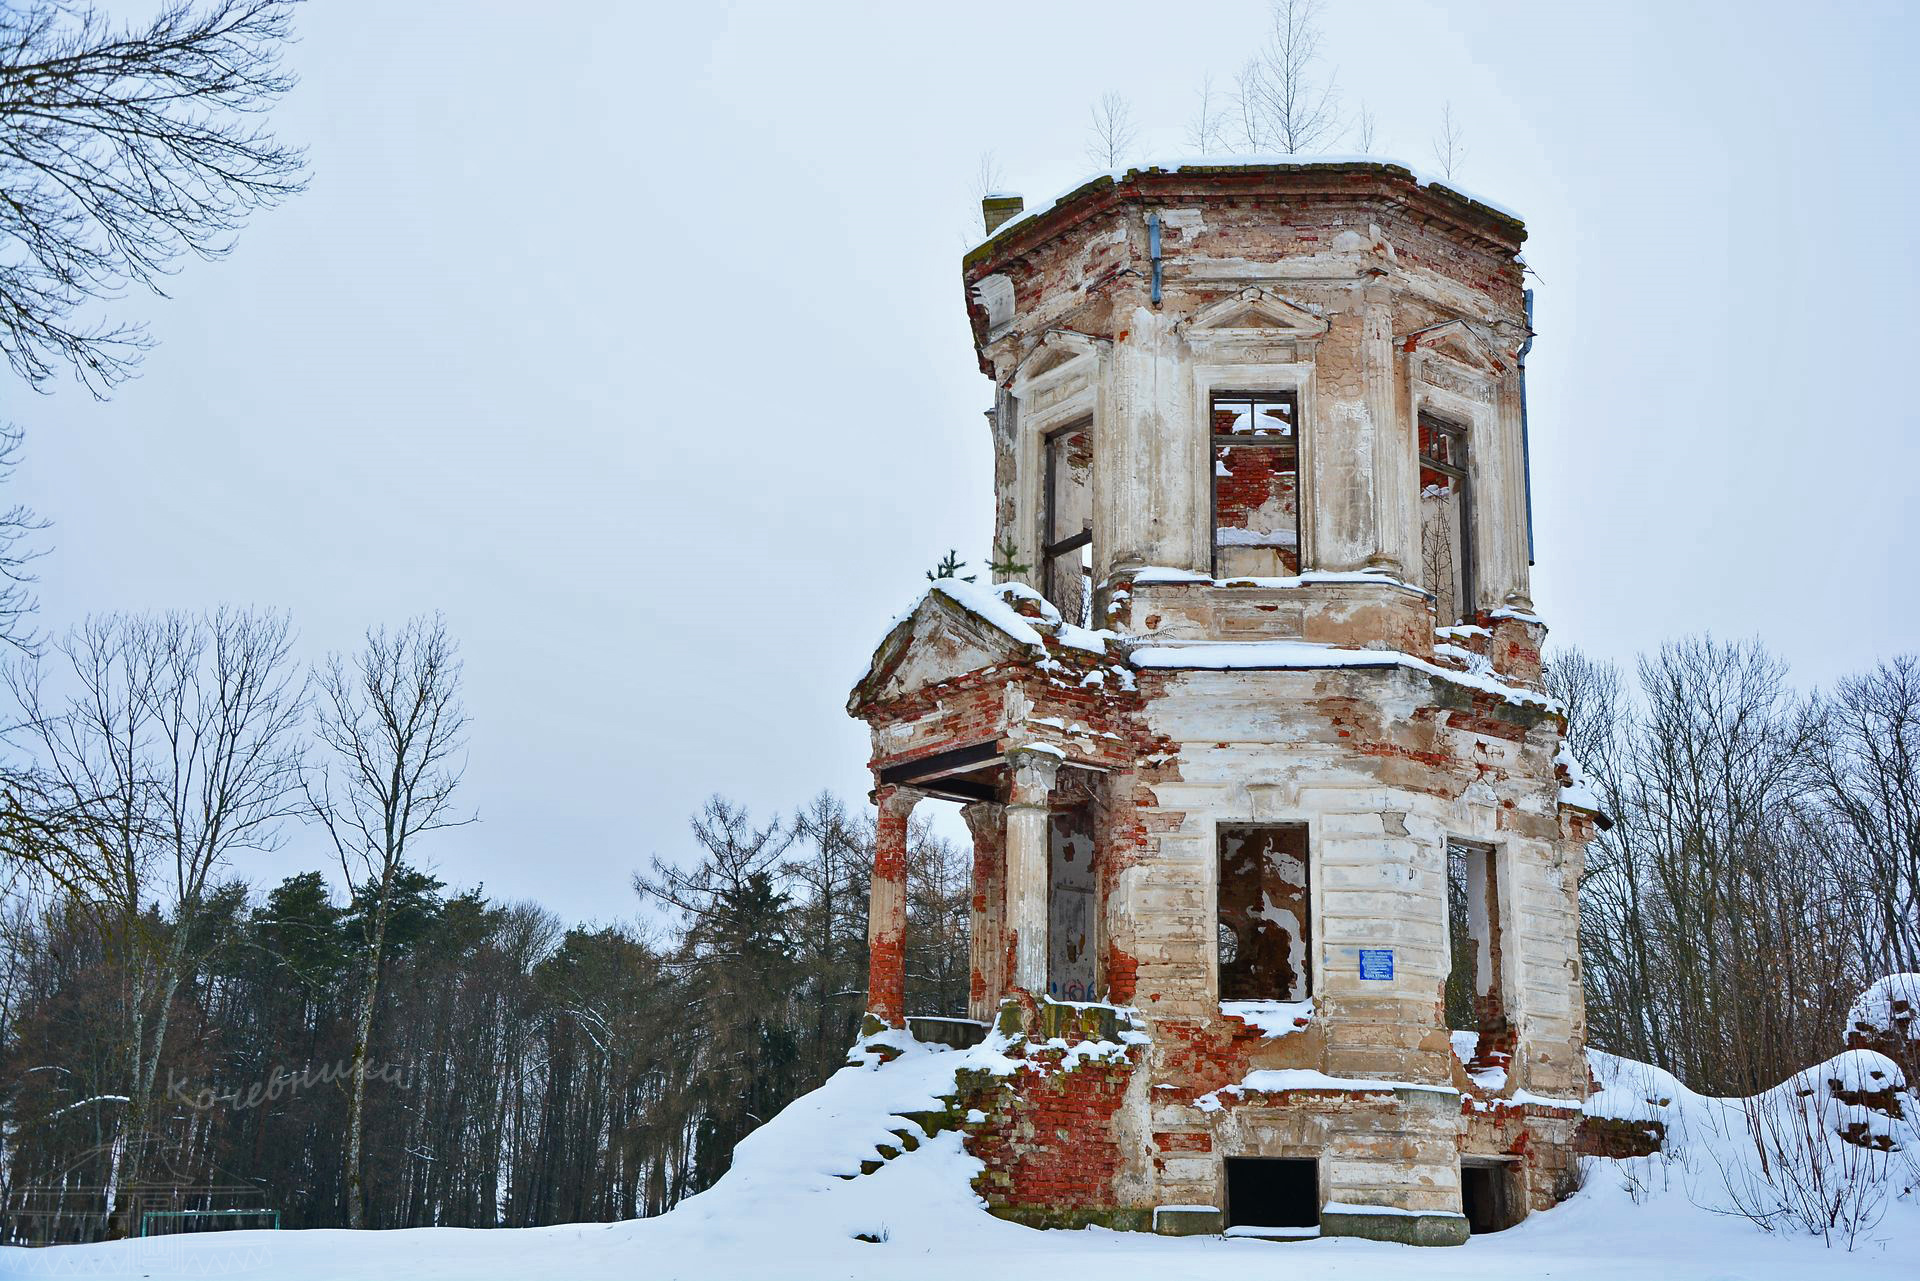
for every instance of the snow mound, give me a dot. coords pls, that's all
(787, 1209)
(995, 605)
(1832, 1152)
(1888, 1011)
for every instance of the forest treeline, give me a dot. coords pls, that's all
(1762, 866)
(521, 1072)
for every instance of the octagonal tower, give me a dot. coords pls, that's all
(1251, 732)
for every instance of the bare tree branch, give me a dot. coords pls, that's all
(1111, 135)
(393, 725)
(1207, 131)
(164, 745)
(1449, 145)
(1282, 101)
(1363, 131)
(121, 149)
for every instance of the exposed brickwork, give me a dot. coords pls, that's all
(1050, 1138)
(1618, 1138)
(1542, 1140)
(886, 929)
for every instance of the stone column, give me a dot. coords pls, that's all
(987, 943)
(887, 906)
(1027, 864)
(1396, 531)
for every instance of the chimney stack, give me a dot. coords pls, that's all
(998, 208)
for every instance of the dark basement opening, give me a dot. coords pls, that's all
(1264, 1192)
(1485, 1197)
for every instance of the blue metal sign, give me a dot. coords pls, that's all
(1376, 963)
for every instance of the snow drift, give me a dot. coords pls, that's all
(849, 1181)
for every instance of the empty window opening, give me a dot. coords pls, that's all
(1264, 939)
(1272, 1193)
(1473, 998)
(1446, 524)
(1487, 1196)
(1256, 485)
(1066, 542)
(1070, 916)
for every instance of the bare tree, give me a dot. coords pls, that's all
(122, 148)
(1112, 133)
(1207, 131)
(988, 180)
(1715, 919)
(1363, 131)
(175, 745)
(939, 903)
(1284, 102)
(1869, 775)
(1248, 117)
(1449, 145)
(393, 724)
(18, 525)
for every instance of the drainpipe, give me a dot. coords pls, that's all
(1526, 454)
(1153, 251)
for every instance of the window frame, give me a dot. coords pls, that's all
(1051, 441)
(1496, 899)
(1461, 473)
(1311, 946)
(1292, 399)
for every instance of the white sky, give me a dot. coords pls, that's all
(632, 337)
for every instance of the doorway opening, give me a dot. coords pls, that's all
(1487, 1196)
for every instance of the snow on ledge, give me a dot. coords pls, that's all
(1354, 1207)
(1236, 655)
(1577, 792)
(1151, 575)
(1277, 1080)
(1488, 1080)
(1273, 1018)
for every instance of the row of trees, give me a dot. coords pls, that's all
(1764, 863)
(149, 750)
(513, 1071)
(444, 1059)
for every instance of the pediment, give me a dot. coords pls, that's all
(1259, 312)
(1457, 341)
(940, 639)
(1050, 358)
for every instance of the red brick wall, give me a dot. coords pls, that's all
(1050, 1139)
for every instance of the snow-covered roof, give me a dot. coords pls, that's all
(1040, 627)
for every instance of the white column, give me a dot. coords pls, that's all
(1032, 774)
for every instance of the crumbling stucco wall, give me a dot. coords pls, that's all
(1367, 310)
(1362, 300)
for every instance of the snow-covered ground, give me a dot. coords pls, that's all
(783, 1213)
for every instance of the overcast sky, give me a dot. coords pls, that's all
(631, 336)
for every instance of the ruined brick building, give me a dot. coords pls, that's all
(1263, 785)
